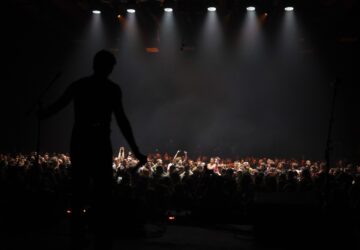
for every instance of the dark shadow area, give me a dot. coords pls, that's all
(179, 204)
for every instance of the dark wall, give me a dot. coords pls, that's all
(226, 103)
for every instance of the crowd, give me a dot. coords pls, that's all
(221, 188)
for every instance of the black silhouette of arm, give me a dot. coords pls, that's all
(58, 105)
(124, 124)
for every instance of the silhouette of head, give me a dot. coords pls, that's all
(104, 62)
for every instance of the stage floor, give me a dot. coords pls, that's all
(174, 237)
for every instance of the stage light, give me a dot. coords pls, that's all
(289, 8)
(131, 6)
(96, 12)
(168, 5)
(118, 16)
(212, 5)
(251, 8)
(171, 217)
(68, 211)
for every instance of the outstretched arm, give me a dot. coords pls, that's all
(125, 126)
(58, 105)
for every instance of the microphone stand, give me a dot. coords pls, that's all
(329, 145)
(39, 107)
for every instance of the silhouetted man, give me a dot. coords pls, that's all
(95, 99)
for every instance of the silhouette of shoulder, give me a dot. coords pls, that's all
(96, 86)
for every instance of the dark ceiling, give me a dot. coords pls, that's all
(77, 8)
(334, 20)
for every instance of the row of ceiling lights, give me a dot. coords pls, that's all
(210, 8)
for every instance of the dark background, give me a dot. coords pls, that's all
(207, 95)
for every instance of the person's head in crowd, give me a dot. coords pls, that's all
(191, 163)
(159, 162)
(166, 157)
(322, 167)
(52, 162)
(333, 171)
(180, 168)
(21, 162)
(280, 165)
(262, 166)
(200, 168)
(305, 174)
(159, 170)
(178, 161)
(144, 172)
(61, 163)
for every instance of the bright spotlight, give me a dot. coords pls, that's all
(96, 12)
(250, 8)
(130, 11)
(212, 9)
(168, 9)
(289, 8)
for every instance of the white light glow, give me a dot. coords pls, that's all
(168, 9)
(96, 12)
(211, 9)
(289, 8)
(131, 11)
(250, 8)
